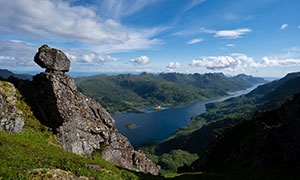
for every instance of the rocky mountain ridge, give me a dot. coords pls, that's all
(269, 139)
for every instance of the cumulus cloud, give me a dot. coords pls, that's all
(94, 58)
(230, 34)
(283, 26)
(63, 21)
(173, 65)
(216, 62)
(266, 61)
(194, 41)
(140, 60)
(239, 62)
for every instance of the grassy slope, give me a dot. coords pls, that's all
(36, 147)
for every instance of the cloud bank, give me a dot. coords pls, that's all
(239, 62)
(60, 21)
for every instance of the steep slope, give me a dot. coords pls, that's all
(270, 139)
(30, 151)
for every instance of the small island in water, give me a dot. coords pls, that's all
(129, 126)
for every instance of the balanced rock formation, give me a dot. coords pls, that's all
(52, 59)
(11, 119)
(81, 124)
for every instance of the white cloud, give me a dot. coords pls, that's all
(49, 20)
(119, 9)
(94, 58)
(216, 62)
(192, 4)
(266, 61)
(194, 41)
(17, 54)
(283, 26)
(231, 34)
(235, 62)
(230, 45)
(173, 65)
(140, 60)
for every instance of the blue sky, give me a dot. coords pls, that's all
(256, 37)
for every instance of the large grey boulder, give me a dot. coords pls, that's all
(52, 59)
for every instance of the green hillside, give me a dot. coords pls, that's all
(35, 151)
(126, 92)
(202, 130)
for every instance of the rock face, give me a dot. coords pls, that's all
(52, 59)
(81, 124)
(270, 138)
(278, 137)
(11, 119)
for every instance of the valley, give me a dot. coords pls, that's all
(182, 150)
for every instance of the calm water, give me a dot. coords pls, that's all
(158, 125)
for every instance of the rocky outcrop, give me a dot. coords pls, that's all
(52, 59)
(81, 124)
(54, 174)
(11, 119)
(271, 138)
(278, 137)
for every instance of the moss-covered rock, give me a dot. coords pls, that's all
(11, 118)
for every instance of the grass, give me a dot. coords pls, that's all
(21, 153)
(36, 148)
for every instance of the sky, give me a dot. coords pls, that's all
(254, 37)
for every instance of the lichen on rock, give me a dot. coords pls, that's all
(52, 59)
(11, 119)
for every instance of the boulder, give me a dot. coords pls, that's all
(52, 59)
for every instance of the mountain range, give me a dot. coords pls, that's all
(253, 136)
(127, 92)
